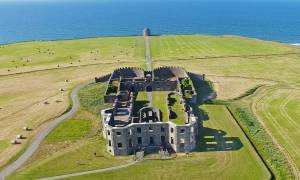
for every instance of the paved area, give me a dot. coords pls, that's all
(42, 134)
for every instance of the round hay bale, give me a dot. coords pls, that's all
(19, 136)
(14, 142)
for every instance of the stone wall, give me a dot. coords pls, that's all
(110, 98)
(155, 85)
(128, 72)
(129, 133)
(102, 78)
(167, 72)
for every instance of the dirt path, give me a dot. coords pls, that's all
(42, 134)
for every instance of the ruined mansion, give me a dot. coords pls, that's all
(133, 123)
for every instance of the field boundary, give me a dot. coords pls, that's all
(249, 139)
(281, 149)
(55, 68)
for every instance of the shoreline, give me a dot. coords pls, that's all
(135, 35)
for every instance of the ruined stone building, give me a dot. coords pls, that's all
(130, 125)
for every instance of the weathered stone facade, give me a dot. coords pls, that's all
(126, 133)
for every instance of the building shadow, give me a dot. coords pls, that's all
(215, 140)
(210, 139)
(204, 89)
(139, 105)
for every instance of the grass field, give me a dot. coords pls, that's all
(233, 64)
(37, 55)
(168, 47)
(221, 159)
(22, 96)
(27, 93)
(71, 146)
(240, 57)
(278, 108)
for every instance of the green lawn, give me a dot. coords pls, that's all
(178, 109)
(160, 101)
(70, 130)
(240, 162)
(141, 101)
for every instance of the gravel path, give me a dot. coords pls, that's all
(42, 134)
(149, 66)
(90, 172)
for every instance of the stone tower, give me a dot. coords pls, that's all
(146, 32)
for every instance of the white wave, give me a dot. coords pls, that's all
(296, 44)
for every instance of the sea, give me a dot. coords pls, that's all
(28, 21)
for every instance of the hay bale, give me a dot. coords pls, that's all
(19, 136)
(14, 142)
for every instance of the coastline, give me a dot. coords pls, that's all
(134, 35)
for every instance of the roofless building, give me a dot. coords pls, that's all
(131, 125)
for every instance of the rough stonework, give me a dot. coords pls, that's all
(127, 132)
(146, 32)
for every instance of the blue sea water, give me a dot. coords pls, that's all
(57, 20)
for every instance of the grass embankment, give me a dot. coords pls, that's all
(250, 106)
(208, 161)
(262, 141)
(70, 147)
(276, 108)
(279, 110)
